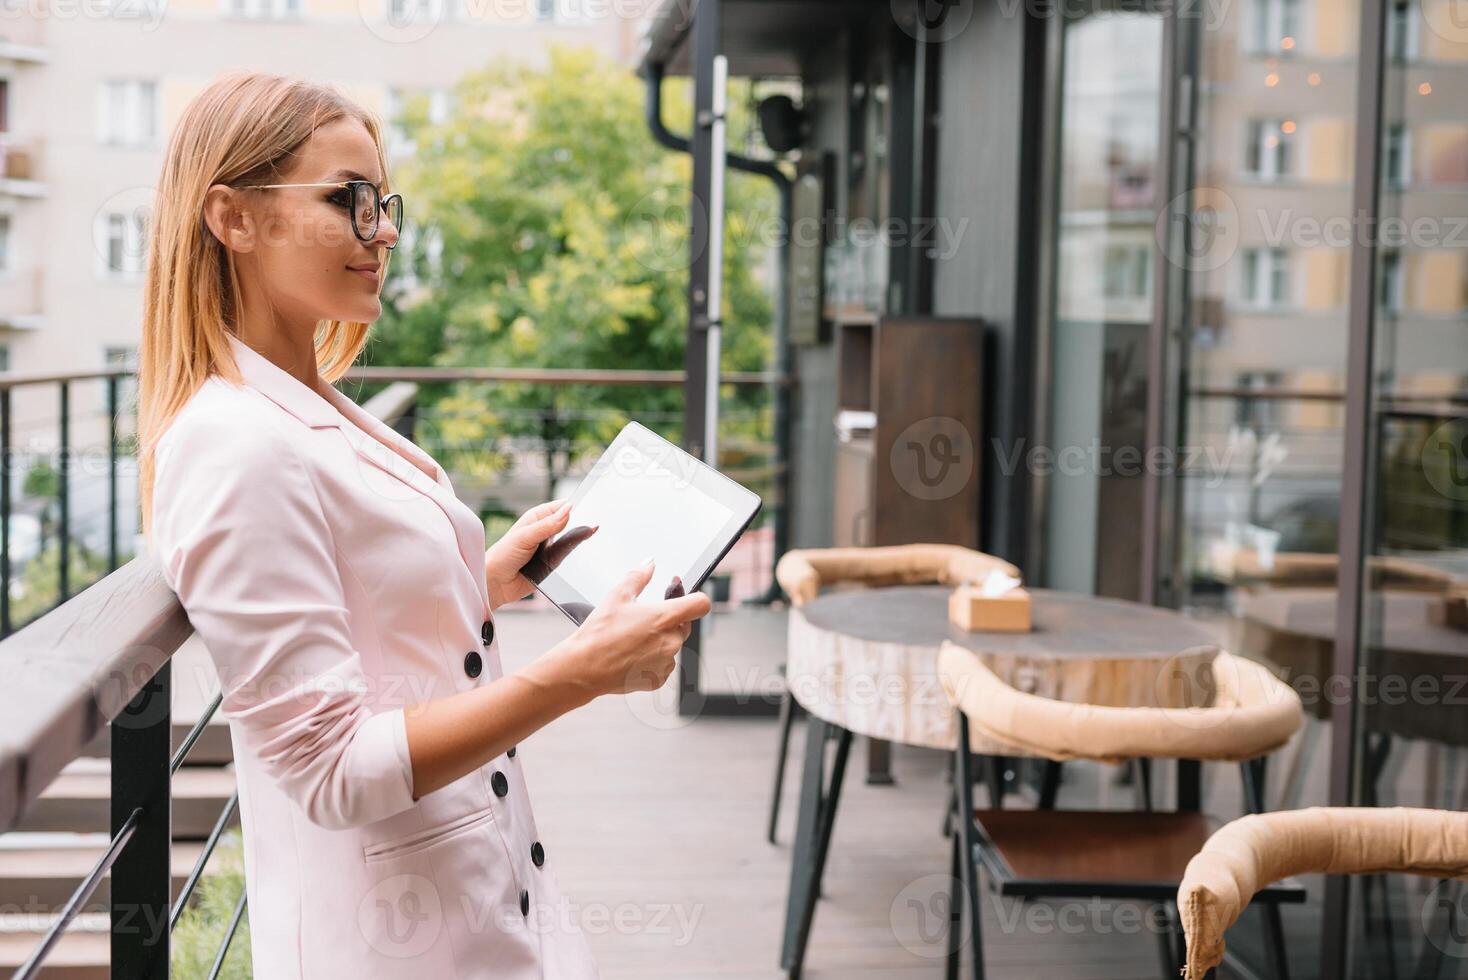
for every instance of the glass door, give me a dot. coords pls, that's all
(1103, 252)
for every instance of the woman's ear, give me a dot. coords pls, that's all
(227, 219)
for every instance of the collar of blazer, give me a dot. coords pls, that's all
(372, 439)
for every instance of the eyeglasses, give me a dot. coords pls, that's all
(366, 203)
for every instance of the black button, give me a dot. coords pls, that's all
(500, 784)
(472, 664)
(537, 854)
(524, 902)
(486, 632)
(511, 752)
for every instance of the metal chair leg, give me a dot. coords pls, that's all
(955, 910)
(828, 808)
(788, 711)
(1274, 941)
(1142, 782)
(994, 766)
(801, 898)
(1166, 952)
(1050, 784)
(967, 841)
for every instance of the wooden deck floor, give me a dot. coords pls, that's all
(659, 825)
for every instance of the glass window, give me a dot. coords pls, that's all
(1275, 26)
(1104, 244)
(1397, 165)
(1401, 31)
(127, 112)
(1258, 298)
(121, 243)
(1268, 152)
(1412, 657)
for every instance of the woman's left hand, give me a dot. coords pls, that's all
(505, 558)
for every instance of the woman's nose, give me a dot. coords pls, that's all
(387, 233)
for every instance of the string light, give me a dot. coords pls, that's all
(1271, 79)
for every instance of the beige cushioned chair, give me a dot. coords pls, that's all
(1251, 713)
(1107, 854)
(1248, 854)
(802, 573)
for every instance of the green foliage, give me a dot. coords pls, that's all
(40, 579)
(41, 480)
(564, 231)
(203, 924)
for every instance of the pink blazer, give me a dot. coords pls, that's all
(334, 577)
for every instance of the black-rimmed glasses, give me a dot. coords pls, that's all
(366, 205)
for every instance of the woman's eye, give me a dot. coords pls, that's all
(341, 198)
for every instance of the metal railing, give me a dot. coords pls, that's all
(101, 660)
(104, 658)
(13, 385)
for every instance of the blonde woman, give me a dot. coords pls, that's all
(343, 591)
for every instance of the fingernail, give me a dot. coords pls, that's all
(648, 562)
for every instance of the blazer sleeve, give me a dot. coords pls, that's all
(243, 540)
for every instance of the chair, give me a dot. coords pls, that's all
(1136, 855)
(802, 573)
(1240, 861)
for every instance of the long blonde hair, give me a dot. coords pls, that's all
(242, 128)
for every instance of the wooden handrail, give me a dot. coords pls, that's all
(69, 673)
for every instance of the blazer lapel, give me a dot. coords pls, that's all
(374, 441)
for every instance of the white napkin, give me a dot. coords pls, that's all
(997, 583)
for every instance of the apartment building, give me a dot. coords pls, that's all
(89, 93)
(90, 90)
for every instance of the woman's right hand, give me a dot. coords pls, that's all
(626, 645)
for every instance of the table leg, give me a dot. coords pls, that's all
(806, 850)
(1189, 785)
(879, 762)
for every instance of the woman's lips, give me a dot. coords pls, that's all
(370, 275)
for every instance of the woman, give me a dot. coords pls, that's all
(342, 590)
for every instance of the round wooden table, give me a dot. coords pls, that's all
(1415, 679)
(865, 661)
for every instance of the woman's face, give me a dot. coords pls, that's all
(304, 255)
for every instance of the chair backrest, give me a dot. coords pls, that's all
(1248, 713)
(1253, 852)
(802, 573)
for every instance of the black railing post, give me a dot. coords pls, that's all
(141, 897)
(5, 508)
(63, 542)
(112, 381)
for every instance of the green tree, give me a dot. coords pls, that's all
(202, 927)
(564, 231)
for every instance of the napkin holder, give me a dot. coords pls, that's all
(971, 610)
(1449, 610)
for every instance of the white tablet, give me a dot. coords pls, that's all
(643, 498)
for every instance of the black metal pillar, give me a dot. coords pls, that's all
(700, 271)
(141, 877)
